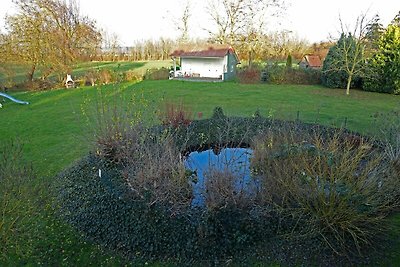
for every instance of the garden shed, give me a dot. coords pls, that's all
(311, 62)
(212, 63)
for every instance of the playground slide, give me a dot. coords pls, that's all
(13, 99)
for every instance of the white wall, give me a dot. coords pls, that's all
(206, 67)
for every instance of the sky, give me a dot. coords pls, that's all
(131, 20)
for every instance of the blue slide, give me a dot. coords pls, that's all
(13, 99)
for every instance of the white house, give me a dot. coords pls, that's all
(212, 63)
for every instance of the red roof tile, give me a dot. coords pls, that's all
(210, 52)
(313, 61)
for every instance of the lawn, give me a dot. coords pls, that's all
(19, 72)
(57, 128)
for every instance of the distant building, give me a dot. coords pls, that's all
(311, 62)
(213, 63)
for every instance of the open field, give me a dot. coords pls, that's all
(19, 72)
(57, 128)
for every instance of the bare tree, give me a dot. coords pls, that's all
(183, 23)
(241, 22)
(110, 45)
(76, 33)
(349, 50)
(27, 36)
(50, 34)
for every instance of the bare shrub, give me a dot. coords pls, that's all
(148, 160)
(106, 76)
(249, 76)
(389, 132)
(222, 190)
(37, 85)
(132, 76)
(159, 175)
(91, 78)
(176, 115)
(331, 188)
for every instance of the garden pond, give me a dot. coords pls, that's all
(235, 161)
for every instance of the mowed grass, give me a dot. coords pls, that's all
(19, 72)
(53, 129)
(140, 67)
(57, 129)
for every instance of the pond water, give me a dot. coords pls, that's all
(233, 160)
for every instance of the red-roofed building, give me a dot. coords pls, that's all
(215, 63)
(311, 61)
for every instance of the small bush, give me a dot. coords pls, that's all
(282, 75)
(103, 76)
(176, 115)
(276, 74)
(249, 75)
(156, 74)
(289, 60)
(106, 76)
(218, 113)
(389, 133)
(91, 77)
(132, 76)
(36, 85)
(18, 197)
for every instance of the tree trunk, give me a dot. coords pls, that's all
(31, 72)
(250, 59)
(348, 84)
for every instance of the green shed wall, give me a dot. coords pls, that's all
(232, 62)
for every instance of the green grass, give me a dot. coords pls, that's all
(55, 133)
(138, 66)
(19, 72)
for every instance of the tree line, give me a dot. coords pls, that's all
(274, 46)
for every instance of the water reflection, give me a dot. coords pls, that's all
(233, 160)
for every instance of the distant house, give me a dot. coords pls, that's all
(311, 61)
(212, 63)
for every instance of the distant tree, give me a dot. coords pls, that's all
(76, 34)
(50, 34)
(28, 39)
(320, 49)
(374, 30)
(278, 45)
(183, 23)
(383, 72)
(110, 45)
(345, 60)
(241, 22)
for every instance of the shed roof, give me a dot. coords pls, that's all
(210, 52)
(313, 61)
